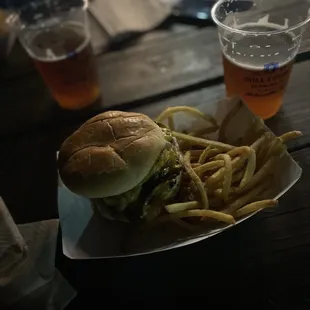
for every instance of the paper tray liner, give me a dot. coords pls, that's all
(86, 235)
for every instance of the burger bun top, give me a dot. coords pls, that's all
(110, 154)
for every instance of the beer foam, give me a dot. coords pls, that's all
(261, 50)
(263, 22)
(253, 67)
(36, 51)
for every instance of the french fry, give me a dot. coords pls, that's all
(227, 174)
(263, 140)
(255, 206)
(276, 147)
(207, 153)
(195, 178)
(233, 177)
(261, 147)
(215, 178)
(209, 166)
(204, 155)
(239, 151)
(290, 135)
(194, 165)
(212, 186)
(183, 206)
(219, 192)
(260, 175)
(237, 164)
(202, 142)
(219, 216)
(195, 155)
(171, 123)
(237, 177)
(204, 131)
(245, 199)
(189, 110)
(250, 169)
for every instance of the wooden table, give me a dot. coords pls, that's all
(264, 261)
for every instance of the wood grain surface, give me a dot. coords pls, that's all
(294, 114)
(19, 63)
(265, 259)
(147, 72)
(28, 178)
(31, 109)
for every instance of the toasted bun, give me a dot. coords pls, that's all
(110, 154)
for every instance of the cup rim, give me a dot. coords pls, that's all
(254, 33)
(13, 20)
(84, 5)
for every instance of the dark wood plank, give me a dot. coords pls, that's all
(40, 113)
(138, 72)
(157, 67)
(28, 178)
(294, 115)
(18, 63)
(272, 248)
(204, 95)
(199, 44)
(147, 72)
(281, 238)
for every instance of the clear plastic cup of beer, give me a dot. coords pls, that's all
(56, 36)
(260, 40)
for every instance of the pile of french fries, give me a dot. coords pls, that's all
(223, 182)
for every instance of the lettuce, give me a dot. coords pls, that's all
(147, 199)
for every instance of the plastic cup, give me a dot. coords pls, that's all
(56, 36)
(260, 40)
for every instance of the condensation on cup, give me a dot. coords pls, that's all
(58, 40)
(260, 40)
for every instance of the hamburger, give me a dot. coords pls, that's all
(128, 165)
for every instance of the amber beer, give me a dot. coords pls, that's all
(64, 58)
(259, 40)
(261, 88)
(259, 70)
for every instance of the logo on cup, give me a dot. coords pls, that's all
(272, 66)
(71, 54)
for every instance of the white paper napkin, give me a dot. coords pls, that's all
(121, 16)
(27, 265)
